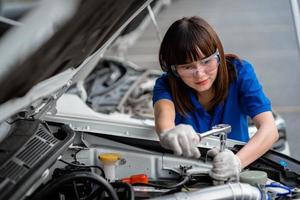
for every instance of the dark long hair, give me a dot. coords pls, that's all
(182, 42)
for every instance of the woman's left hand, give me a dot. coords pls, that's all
(226, 165)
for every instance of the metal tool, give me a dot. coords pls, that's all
(223, 137)
(216, 130)
(222, 130)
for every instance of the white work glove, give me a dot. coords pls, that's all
(226, 165)
(182, 140)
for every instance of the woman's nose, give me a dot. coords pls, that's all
(199, 71)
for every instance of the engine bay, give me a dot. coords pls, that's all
(102, 166)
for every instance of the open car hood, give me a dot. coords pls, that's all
(58, 43)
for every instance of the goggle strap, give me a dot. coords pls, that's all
(173, 68)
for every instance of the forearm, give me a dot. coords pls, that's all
(164, 112)
(163, 123)
(259, 144)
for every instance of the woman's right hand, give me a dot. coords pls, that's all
(182, 140)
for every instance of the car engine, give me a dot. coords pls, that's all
(57, 162)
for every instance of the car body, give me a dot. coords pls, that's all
(54, 146)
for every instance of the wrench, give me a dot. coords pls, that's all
(216, 130)
(222, 130)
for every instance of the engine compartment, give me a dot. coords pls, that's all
(144, 170)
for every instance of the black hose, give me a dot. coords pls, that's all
(180, 184)
(127, 187)
(56, 184)
(128, 193)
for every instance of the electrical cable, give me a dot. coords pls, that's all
(85, 166)
(276, 185)
(181, 183)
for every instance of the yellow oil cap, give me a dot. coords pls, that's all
(109, 157)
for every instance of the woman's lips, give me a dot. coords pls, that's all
(202, 82)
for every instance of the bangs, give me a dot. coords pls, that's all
(194, 45)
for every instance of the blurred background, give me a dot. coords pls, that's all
(262, 32)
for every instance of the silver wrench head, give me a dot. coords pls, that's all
(226, 128)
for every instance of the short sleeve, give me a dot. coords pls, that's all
(161, 89)
(253, 98)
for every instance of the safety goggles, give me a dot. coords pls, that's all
(206, 65)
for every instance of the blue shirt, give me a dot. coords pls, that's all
(245, 98)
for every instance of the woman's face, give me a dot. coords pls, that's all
(201, 74)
